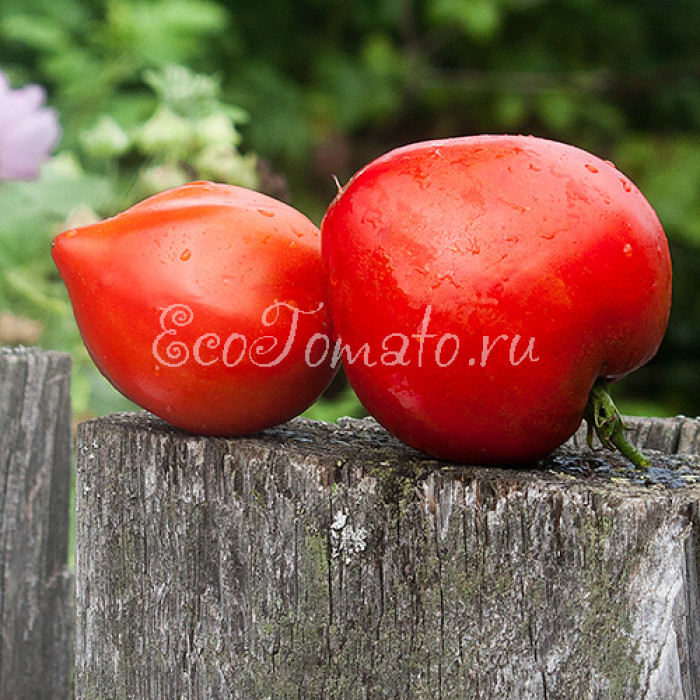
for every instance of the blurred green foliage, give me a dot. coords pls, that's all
(327, 86)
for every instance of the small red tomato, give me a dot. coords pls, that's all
(481, 286)
(200, 303)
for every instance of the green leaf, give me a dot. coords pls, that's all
(480, 19)
(163, 32)
(63, 185)
(39, 33)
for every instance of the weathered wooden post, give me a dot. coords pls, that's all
(329, 561)
(36, 587)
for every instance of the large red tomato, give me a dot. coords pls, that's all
(200, 303)
(481, 286)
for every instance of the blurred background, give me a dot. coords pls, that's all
(141, 95)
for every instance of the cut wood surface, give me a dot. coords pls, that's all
(327, 561)
(36, 587)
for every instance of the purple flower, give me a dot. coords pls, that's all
(28, 131)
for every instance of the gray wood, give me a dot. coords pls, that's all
(36, 586)
(330, 561)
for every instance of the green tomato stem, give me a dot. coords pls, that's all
(605, 420)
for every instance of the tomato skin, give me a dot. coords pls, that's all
(543, 265)
(158, 290)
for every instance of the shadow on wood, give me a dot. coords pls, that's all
(36, 587)
(330, 561)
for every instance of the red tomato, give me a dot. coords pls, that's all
(480, 286)
(199, 304)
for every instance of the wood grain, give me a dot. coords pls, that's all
(329, 561)
(36, 586)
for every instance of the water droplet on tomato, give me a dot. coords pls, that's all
(591, 168)
(422, 177)
(446, 277)
(627, 250)
(626, 185)
(472, 245)
(266, 212)
(186, 254)
(371, 217)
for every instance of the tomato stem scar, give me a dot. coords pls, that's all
(605, 420)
